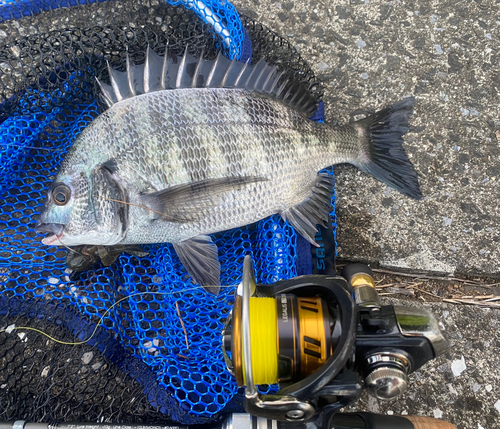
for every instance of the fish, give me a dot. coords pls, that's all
(189, 146)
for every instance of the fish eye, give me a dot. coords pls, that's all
(61, 194)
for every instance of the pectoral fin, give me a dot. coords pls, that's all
(187, 202)
(200, 258)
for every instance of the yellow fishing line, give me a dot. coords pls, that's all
(28, 328)
(263, 341)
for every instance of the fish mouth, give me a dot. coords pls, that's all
(55, 230)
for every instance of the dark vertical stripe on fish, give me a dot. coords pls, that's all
(194, 154)
(233, 149)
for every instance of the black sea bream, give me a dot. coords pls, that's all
(189, 147)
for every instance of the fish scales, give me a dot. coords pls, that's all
(195, 133)
(174, 165)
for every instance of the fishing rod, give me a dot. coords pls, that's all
(247, 421)
(338, 421)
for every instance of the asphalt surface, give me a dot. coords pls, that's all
(447, 54)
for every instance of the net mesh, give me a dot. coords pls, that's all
(154, 353)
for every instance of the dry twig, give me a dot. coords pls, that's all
(428, 293)
(480, 297)
(397, 291)
(473, 302)
(425, 276)
(385, 286)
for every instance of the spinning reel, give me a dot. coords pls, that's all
(323, 339)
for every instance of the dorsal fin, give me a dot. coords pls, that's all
(196, 74)
(153, 68)
(130, 76)
(172, 71)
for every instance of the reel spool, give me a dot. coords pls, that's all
(291, 338)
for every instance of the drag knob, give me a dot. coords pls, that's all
(386, 383)
(361, 284)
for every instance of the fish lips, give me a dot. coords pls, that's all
(55, 229)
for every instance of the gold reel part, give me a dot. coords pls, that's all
(314, 334)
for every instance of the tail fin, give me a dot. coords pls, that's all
(385, 158)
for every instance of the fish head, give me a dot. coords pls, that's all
(85, 207)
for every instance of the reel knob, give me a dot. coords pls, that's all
(386, 383)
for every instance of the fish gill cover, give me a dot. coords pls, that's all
(137, 367)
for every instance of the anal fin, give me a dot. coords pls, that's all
(314, 210)
(199, 256)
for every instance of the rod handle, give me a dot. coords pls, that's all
(420, 422)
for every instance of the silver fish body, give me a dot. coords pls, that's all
(169, 138)
(174, 165)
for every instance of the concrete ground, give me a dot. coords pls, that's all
(446, 53)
